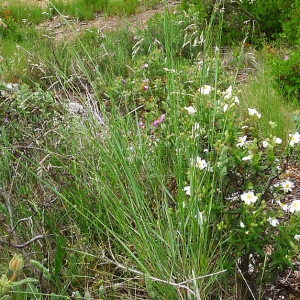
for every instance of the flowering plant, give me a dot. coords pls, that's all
(244, 178)
(16, 266)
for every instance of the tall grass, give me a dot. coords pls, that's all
(260, 93)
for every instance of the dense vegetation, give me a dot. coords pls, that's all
(149, 163)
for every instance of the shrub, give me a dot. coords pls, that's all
(290, 15)
(259, 20)
(286, 72)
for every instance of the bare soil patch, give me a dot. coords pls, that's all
(64, 27)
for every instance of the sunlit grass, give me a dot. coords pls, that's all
(259, 93)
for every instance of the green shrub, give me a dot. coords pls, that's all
(286, 72)
(290, 15)
(258, 20)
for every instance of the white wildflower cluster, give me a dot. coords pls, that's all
(294, 206)
(268, 142)
(228, 95)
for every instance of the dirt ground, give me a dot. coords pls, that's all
(65, 27)
(60, 28)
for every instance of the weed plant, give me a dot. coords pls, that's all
(158, 186)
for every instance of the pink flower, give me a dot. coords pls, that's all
(159, 120)
(141, 124)
(145, 66)
(286, 57)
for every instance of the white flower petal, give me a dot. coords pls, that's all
(199, 163)
(294, 206)
(236, 100)
(274, 222)
(187, 190)
(205, 89)
(283, 206)
(249, 198)
(253, 112)
(191, 110)
(297, 237)
(287, 186)
(228, 92)
(241, 141)
(295, 138)
(249, 157)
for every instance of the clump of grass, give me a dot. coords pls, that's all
(260, 93)
(122, 7)
(86, 9)
(23, 14)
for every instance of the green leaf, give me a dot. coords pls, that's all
(60, 254)
(24, 281)
(42, 269)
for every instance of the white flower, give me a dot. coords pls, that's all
(228, 92)
(295, 138)
(277, 140)
(241, 141)
(274, 222)
(297, 237)
(265, 144)
(225, 108)
(283, 206)
(191, 110)
(205, 89)
(294, 206)
(249, 157)
(242, 225)
(236, 100)
(249, 198)
(199, 163)
(253, 112)
(187, 190)
(286, 186)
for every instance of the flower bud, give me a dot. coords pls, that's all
(16, 264)
(4, 284)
